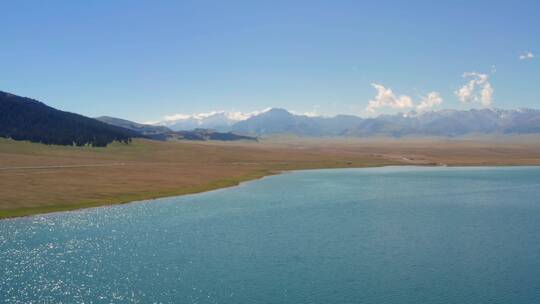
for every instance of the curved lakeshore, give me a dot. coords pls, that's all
(223, 184)
(40, 179)
(129, 198)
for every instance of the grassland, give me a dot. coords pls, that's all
(37, 178)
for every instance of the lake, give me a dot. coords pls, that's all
(377, 235)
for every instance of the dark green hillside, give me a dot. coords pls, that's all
(23, 118)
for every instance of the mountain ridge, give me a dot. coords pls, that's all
(164, 133)
(447, 123)
(23, 118)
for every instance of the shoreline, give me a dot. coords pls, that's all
(212, 186)
(131, 198)
(128, 198)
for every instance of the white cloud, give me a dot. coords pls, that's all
(237, 116)
(386, 98)
(486, 96)
(314, 112)
(429, 101)
(151, 122)
(526, 55)
(478, 89)
(176, 117)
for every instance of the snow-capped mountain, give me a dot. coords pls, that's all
(432, 123)
(220, 121)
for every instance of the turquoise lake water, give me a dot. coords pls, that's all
(382, 235)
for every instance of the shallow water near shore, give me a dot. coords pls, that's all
(375, 235)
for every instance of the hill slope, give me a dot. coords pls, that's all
(23, 118)
(164, 133)
(156, 132)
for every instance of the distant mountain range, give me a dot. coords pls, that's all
(164, 133)
(134, 126)
(219, 121)
(447, 123)
(23, 118)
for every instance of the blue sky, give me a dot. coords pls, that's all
(142, 60)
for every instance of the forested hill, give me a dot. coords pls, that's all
(23, 118)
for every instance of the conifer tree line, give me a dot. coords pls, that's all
(23, 118)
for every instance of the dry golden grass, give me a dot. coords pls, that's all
(36, 178)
